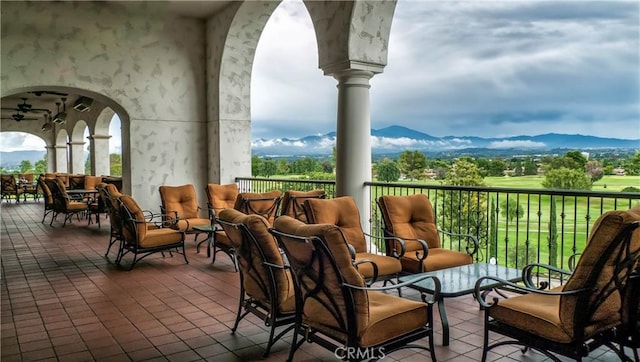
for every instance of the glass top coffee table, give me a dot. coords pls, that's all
(459, 281)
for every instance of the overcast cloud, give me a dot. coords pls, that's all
(471, 68)
(468, 68)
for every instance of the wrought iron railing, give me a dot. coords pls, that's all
(514, 226)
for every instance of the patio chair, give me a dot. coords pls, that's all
(628, 335)
(264, 204)
(411, 219)
(220, 197)
(292, 202)
(9, 187)
(334, 306)
(583, 314)
(180, 204)
(76, 182)
(139, 238)
(47, 196)
(343, 212)
(29, 186)
(266, 287)
(62, 203)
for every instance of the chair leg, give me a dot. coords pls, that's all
(184, 254)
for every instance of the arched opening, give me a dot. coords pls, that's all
(22, 153)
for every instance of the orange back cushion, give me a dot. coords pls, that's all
(180, 199)
(342, 212)
(410, 217)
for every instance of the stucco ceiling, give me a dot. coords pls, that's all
(197, 9)
(41, 101)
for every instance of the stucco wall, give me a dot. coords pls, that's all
(149, 68)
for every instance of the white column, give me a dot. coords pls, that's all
(51, 158)
(353, 139)
(100, 159)
(76, 154)
(62, 164)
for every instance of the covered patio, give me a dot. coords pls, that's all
(63, 300)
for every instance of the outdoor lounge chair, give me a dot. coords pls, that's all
(220, 197)
(292, 202)
(180, 205)
(266, 287)
(334, 306)
(411, 219)
(583, 314)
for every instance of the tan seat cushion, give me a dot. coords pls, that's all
(386, 265)
(391, 316)
(292, 202)
(534, 313)
(160, 237)
(222, 196)
(180, 199)
(437, 259)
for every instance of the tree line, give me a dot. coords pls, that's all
(40, 166)
(570, 171)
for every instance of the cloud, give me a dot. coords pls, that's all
(516, 144)
(470, 68)
(20, 141)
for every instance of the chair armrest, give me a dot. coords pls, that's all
(481, 293)
(528, 271)
(471, 250)
(434, 297)
(387, 239)
(374, 278)
(275, 266)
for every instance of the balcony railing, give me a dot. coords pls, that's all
(514, 226)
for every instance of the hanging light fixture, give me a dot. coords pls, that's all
(61, 117)
(47, 126)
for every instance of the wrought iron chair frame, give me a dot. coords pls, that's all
(579, 347)
(270, 314)
(129, 222)
(333, 343)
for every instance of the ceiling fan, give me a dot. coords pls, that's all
(40, 93)
(24, 107)
(20, 117)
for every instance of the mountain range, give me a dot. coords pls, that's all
(395, 139)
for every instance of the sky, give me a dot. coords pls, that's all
(458, 68)
(467, 68)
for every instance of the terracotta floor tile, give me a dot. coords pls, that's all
(61, 299)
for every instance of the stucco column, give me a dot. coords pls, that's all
(100, 159)
(76, 153)
(62, 164)
(51, 158)
(353, 139)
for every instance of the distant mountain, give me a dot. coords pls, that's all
(11, 160)
(395, 139)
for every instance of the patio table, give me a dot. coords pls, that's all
(459, 281)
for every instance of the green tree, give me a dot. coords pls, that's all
(530, 167)
(283, 167)
(566, 179)
(115, 164)
(412, 164)
(462, 212)
(305, 166)
(511, 209)
(25, 166)
(577, 157)
(87, 166)
(496, 167)
(632, 165)
(269, 167)
(517, 170)
(41, 166)
(492, 238)
(256, 166)
(464, 173)
(387, 170)
(594, 170)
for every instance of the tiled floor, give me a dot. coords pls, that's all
(63, 300)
